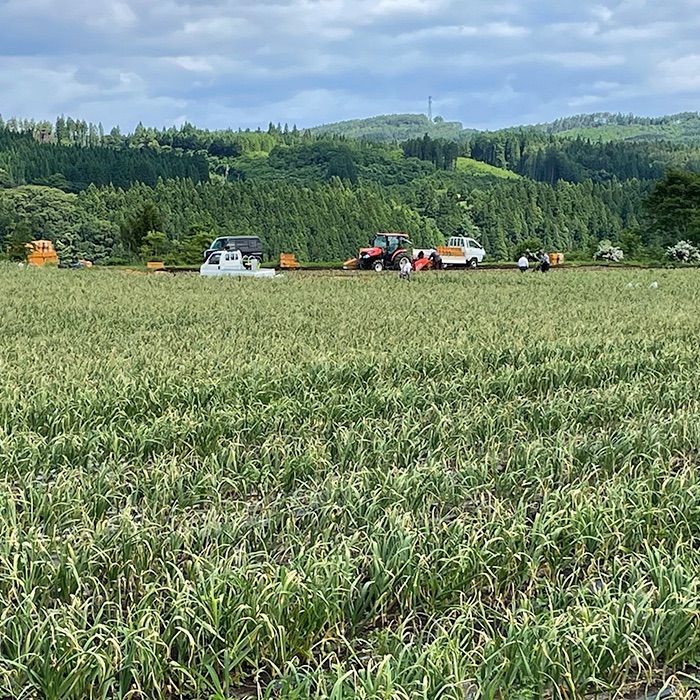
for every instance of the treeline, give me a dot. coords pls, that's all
(326, 221)
(24, 160)
(547, 159)
(109, 197)
(598, 119)
(395, 128)
(441, 153)
(66, 131)
(673, 210)
(324, 159)
(565, 217)
(323, 222)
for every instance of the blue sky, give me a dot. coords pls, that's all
(220, 63)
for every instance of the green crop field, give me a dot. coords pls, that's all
(472, 485)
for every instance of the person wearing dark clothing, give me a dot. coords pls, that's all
(436, 260)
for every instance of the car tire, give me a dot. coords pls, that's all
(473, 263)
(377, 265)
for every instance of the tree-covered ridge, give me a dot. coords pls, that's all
(607, 126)
(326, 221)
(66, 131)
(565, 217)
(25, 160)
(673, 210)
(395, 127)
(322, 222)
(169, 192)
(548, 158)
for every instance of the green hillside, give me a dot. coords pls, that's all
(395, 127)
(475, 167)
(113, 197)
(605, 126)
(599, 126)
(632, 132)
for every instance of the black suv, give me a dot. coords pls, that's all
(250, 246)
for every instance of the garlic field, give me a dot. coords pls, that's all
(471, 485)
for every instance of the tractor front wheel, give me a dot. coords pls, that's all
(377, 265)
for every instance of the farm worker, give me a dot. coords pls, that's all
(405, 270)
(436, 260)
(544, 262)
(523, 263)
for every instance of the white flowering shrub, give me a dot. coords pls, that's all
(684, 252)
(607, 251)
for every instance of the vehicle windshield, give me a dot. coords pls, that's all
(379, 242)
(399, 242)
(218, 244)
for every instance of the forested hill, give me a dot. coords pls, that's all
(395, 127)
(24, 159)
(115, 197)
(606, 126)
(600, 126)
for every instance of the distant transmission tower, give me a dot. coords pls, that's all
(430, 108)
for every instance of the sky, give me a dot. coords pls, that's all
(244, 63)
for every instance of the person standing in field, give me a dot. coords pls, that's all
(523, 263)
(405, 270)
(544, 262)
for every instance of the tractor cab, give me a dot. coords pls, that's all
(387, 250)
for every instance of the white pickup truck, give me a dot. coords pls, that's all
(229, 263)
(462, 250)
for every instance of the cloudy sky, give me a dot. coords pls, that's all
(219, 63)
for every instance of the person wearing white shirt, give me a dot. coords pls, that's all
(523, 263)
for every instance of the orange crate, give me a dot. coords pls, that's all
(288, 261)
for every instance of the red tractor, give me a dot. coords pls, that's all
(388, 250)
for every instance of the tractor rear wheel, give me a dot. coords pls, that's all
(377, 265)
(399, 261)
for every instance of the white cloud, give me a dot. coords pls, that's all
(504, 29)
(394, 7)
(655, 30)
(465, 31)
(193, 63)
(602, 12)
(110, 15)
(579, 30)
(605, 85)
(678, 75)
(244, 62)
(583, 59)
(208, 28)
(584, 101)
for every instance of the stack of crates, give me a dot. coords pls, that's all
(40, 253)
(556, 258)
